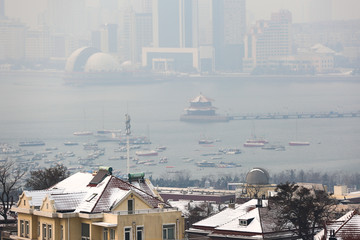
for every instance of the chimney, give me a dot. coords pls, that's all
(259, 203)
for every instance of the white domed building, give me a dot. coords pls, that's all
(257, 185)
(90, 65)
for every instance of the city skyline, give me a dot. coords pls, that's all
(302, 10)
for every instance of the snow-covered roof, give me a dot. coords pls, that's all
(229, 215)
(319, 48)
(201, 98)
(76, 194)
(37, 196)
(67, 201)
(349, 223)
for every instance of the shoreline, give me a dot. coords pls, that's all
(152, 78)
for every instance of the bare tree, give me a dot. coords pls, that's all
(9, 179)
(254, 190)
(302, 209)
(45, 178)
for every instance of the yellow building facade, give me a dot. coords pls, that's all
(113, 209)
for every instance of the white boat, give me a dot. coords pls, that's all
(83, 133)
(257, 140)
(146, 153)
(253, 144)
(297, 143)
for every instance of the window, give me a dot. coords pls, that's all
(112, 234)
(127, 234)
(85, 231)
(61, 232)
(22, 228)
(105, 234)
(139, 233)
(169, 232)
(38, 229)
(49, 232)
(130, 206)
(27, 228)
(44, 231)
(91, 197)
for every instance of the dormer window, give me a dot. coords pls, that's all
(245, 222)
(24, 202)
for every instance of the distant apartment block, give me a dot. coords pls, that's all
(268, 39)
(97, 206)
(38, 44)
(12, 40)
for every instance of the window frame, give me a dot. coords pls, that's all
(83, 237)
(128, 230)
(112, 234)
(27, 229)
(50, 232)
(105, 234)
(132, 210)
(140, 229)
(22, 228)
(44, 233)
(165, 231)
(61, 232)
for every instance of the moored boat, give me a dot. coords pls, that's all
(205, 141)
(146, 153)
(31, 143)
(253, 144)
(205, 163)
(257, 140)
(83, 133)
(297, 143)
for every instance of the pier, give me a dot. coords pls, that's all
(264, 116)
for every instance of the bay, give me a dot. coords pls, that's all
(41, 106)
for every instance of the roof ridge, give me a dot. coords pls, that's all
(132, 186)
(102, 192)
(346, 221)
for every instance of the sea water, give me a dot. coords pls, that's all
(42, 107)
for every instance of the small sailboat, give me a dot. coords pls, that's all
(296, 142)
(255, 141)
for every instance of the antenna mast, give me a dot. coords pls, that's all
(128, 132)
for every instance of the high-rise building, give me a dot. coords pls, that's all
(215, 27)
(2, 9)
(229, 27)
(172, 23)
(143, 34)
(268, 39)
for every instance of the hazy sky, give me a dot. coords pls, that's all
(302, 10)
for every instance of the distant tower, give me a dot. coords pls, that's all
(127, 132)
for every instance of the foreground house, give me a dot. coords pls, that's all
(254, 219)
(97, 206)
(345, 228)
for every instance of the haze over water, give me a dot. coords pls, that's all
(39, 107)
